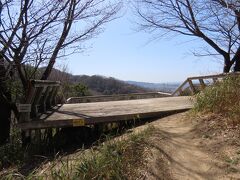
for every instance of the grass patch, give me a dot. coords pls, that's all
(222, 98)
(233, 161)
(116, 160)
(12, 153)
(113, 159)
(17, 161)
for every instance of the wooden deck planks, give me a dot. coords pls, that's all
(111, 111)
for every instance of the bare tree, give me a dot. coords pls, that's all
(37, 33)
(216, 22)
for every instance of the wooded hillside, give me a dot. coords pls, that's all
(97, 84)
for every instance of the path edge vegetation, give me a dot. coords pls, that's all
(116, 158)
(222, 98)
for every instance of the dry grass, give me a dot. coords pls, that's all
(217, 112)
(223, 98)
(120, 158)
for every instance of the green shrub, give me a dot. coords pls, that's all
(222, 98)
(75, 90)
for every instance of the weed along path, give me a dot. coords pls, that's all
(178, 152)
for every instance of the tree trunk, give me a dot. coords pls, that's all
(227, 67)
(5, 111)
(5, 108)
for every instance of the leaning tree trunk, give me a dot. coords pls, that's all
(227, 64)
(5, 108)
(237, 60)
(227, 67)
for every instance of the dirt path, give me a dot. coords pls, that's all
(178, 152)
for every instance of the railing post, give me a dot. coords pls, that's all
(48, 102)
(180, 91)
(44, 100)
(214, 80)
(36, 100)
(54, 96)
(203, 85)
(191, 86)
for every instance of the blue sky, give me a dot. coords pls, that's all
(125, 54)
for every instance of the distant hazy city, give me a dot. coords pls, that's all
(165, 87)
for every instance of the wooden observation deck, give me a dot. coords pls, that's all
(81, 114)
(40, 110)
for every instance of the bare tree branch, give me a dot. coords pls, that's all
(217, 22)
(34, 33)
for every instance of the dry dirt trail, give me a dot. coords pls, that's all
(178, 153)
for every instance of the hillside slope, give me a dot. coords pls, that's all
(108, 85)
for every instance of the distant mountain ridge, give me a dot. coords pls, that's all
(98, 85)
(101, 85)
(108, 85)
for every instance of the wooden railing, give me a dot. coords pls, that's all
(202, 82)
(117, 97)
(41, 97)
